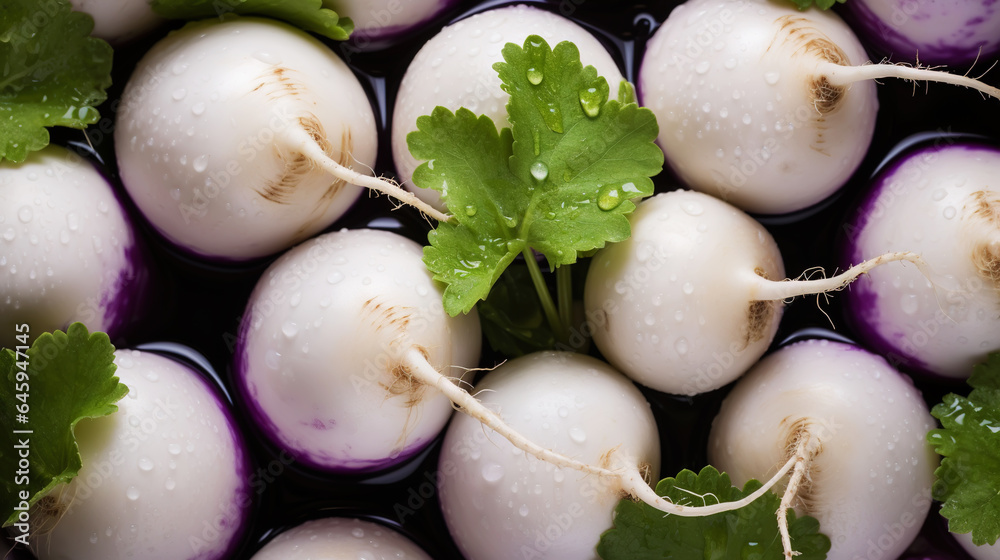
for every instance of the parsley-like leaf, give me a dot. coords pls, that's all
(66, 377)
(54, 74)
(644, 533)
(512, 317)
(821, 4)
(305, 14)
(560, 180)
(967, 480)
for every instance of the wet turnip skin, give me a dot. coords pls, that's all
(166, 477)
(942, 202)
(340, 539)
(870, 484)
(320, 346)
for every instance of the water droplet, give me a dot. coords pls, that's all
(170, 484)
(200, 163)
(73, 221)
(132, 493)
(492, 472)
(688, 288)
(563, 412)
(747, 119)
(949, 212)
(535, 76)
(539, 171)
(470, 210)
(909, 304)
(702, 67)
(678, 316)
(681, 346)
(609, 197)
(358, 533)
(198, 109)
(10, 234)
(591, 100)
(25, 214)
(693, 209)
(145, 464)
(772, 77)
(290, 329)
(650, 319)
(93, 538)
(577, 434)
(335, 278)
(180, 94)
(174, 449)
(523, 510)
(939, 195)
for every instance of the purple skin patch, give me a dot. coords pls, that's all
(861, 299)
(363, 38)
(317, 460)
(954, 47)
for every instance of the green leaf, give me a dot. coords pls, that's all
(749, 533)
(560, 180)
(821, 4)
(65, 378)
(967, 480)
(512, 317)
(54, 73)
(305, 14)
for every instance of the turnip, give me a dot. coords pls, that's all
(347, 361)
(693, 298)
(984, 552)
(117, 21)
(237, 139)
(858, 430)
(381, 20)
(455, 69)
(335, 538)
(942, 202)
(953, 32)
(501, 504)
(767, 107)
(67, 250)
(165, 477)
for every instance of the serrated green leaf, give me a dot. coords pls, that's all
(70, 376)
(560, 180)
(641, 532)
(54, 73)
(967, 480)
(309, 15)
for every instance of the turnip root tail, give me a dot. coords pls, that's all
(838, 75)
(625, 470)
(770, 290)
(807, 446)
(304, 142)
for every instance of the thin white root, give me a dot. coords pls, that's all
(770, 290)
(636, 486)
(807, 448)
(627, 472)
(305, 143)
(839, 75)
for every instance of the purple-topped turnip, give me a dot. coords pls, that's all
(763, 105)
(338, 537)
(857, 428)
(942, 202)
(455, 69)
(117, 21)
(68, 251)
(166, 477)
(953, 32)
(378, 21)
(240, 138)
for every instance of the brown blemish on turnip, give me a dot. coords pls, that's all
(984, 208)
(759, 316)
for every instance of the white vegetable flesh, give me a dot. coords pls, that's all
(338, 538)
(501, 504)
(944, 203)
(744, 112)
(323, 348)
(454, 69)
(117, 21)
(376, 20)
(67, 250)
(868, 481)
(221, 129)
(163, 478)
